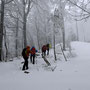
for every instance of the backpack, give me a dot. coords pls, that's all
(44, 48)
(47, 46)
(33, 50)
(23, 52)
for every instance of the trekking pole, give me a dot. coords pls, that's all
(63, 53)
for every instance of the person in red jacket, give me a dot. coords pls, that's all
(33, 53)
(44, 48)
(25, 53)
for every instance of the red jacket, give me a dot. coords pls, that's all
(27, 52)
(44, 48)
(33, 51)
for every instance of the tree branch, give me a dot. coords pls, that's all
(79, 7)
(8, 1)
(28, 8)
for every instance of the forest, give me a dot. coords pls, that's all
(38, 22)
(44, 44)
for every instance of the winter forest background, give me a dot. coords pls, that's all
(38, 22)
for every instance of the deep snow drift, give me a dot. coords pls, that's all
(71, 75)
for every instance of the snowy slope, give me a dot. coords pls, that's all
(71, 75)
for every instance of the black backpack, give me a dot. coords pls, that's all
(23, 52)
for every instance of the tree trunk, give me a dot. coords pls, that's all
(17, 38)
(63, 32)
(5, 43)
(62, 7)
(38, 39)
(37, 28)
(26, 10)
(77, 30)
(24, 28)
(54, 42)
(1, 27)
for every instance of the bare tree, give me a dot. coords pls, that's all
(3, 3)
(17, 29)
(61, 11)
(5, 43)
(1, 27)
(26, 10)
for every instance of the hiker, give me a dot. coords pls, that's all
(44, 48)
(33, 53)
(47, 49)
(25, 54)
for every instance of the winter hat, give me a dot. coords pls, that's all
(28, 47)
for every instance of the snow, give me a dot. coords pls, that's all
(71, 75)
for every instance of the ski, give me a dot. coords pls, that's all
(26, 72)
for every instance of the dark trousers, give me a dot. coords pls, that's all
(32, 58)
(43, 53)
(25, 66)
(47, 51)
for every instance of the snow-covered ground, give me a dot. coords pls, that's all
(71, 75)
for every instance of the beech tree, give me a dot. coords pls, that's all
(3, 3)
